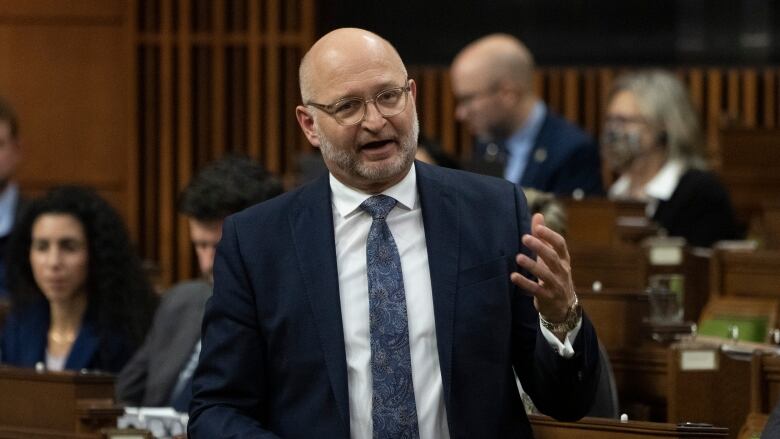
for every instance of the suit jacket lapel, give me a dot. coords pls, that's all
(84, 347)
(312, 228)
(533, 166)
(441, 223)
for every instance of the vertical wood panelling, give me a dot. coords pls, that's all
(166, 218)
(272, 77)
(749, 98)
(133, 139)
(253, 81)
(217, 104)
(211, 77)
(184, 149)
(713, 115)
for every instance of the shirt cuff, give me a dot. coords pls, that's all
(565, 349)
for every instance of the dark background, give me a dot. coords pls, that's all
(572, 32)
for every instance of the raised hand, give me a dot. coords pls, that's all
(554, 291)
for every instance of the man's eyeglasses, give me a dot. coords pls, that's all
(352, 111)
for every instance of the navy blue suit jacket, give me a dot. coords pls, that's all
(563, 158)
(273, 362)
(25, 337)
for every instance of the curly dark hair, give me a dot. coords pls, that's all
(119, 295)
(227, 186)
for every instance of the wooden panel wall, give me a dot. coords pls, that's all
(211, 77)
(746, 97)
(65, 68)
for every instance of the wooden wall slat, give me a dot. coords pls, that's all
(253, 84)
(184, 149)
(430, 97)
(770, 96)
(749, 98)
(713, 114)
(571, 95)
(272, 78)
(218, 81)
(133, 167)
(166, 151)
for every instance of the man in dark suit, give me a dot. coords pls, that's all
(11, 202)
(383, 299)
(518, 137)
(159, 374)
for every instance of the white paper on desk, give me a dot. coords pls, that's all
(698, 360)
(163, 422)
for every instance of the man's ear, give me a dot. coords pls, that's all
(413, 86)
(306, 121)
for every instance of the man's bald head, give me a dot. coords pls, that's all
(497, 57)
(339, 49)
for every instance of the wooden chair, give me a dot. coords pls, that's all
(745, 273)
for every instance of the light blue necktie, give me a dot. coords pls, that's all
(393, 411)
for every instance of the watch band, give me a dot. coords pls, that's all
(573, 316)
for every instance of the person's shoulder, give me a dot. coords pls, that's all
(458, 176)
(465, 183)
(564, 131)
(186, 292)
(28, 312)
(700, 179)
(279, 207)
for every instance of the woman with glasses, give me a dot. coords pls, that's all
(652, 140)
(79, 297)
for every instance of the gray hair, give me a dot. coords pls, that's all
(664, 102)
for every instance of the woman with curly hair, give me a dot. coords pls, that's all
(79, 297)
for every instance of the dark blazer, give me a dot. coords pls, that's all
(148, 379)
(563, 159)
(699, 210)
(273, 361)
(25, 337)
(772, 427)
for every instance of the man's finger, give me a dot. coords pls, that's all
(538, 269)
(530, 286)
(553, 239)
(544, 251)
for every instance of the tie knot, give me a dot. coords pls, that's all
(379, 206)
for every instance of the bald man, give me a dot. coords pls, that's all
(518, 137)
(388, 302)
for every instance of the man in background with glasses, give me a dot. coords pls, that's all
(518, 137)
(385, 299)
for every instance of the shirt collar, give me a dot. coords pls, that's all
(8, 201)
(531, 127)
(347, 200)
(660, 187)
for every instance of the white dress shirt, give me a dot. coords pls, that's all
(405, 221)
(660, 188)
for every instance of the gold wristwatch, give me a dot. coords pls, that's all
(573, 316)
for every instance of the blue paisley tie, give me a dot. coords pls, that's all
(394, 412)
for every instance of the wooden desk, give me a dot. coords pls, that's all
(595, 221)
(700, 390)
(55, 404)
(628, 269)
(597, 428)
(750, 168)
(745, 273)
(764, 383)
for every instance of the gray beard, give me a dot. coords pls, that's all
(348, 162)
